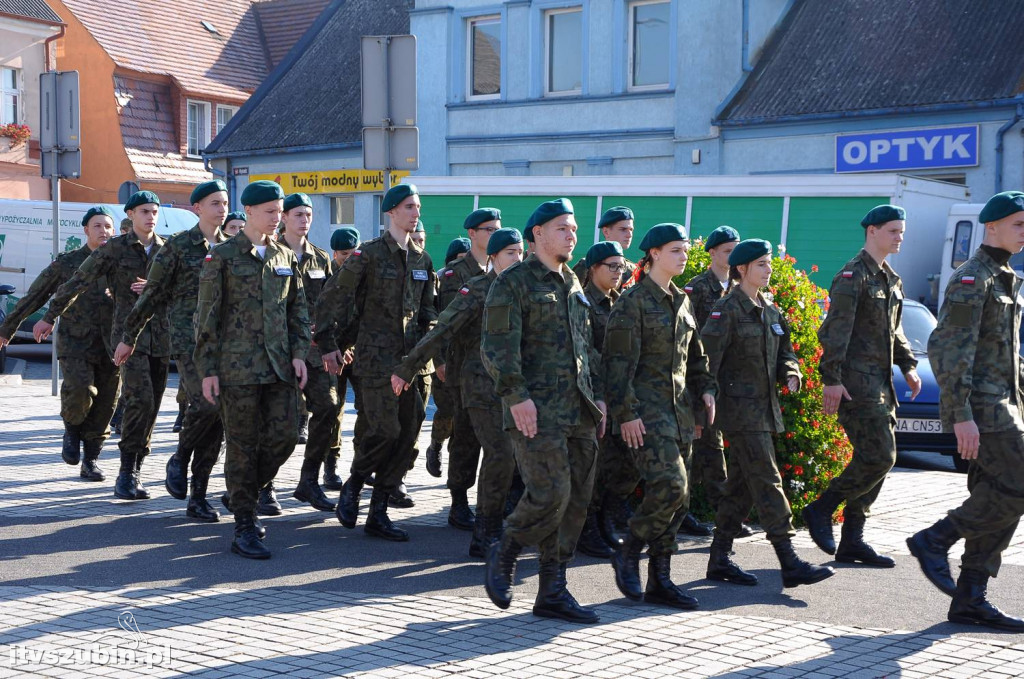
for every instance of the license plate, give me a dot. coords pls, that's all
(914, 425)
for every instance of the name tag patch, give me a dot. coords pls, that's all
(317, 274)
(283, 270)
(419, 274)
(777, 329)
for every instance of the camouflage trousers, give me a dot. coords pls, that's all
(874, 454)
(446, 399)
(463, 449)
(202, 429)
(754, 481)
(558, 469)
(260, 424)
(321, 393)
(708, 467)
(988, 518)
(617, 473)
(388, 430)
(662, 462)
(181, 398)
(88, 394)
(344, 379)
(498, 464)
(143, 380)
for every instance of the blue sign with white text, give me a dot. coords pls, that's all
(933, 147)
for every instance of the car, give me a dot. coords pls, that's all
(5, 291)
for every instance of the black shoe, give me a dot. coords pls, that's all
(971, 607)
(303, 430)
(691, 526)
(378, 524)
(745, 531)
(591, 542)
(182, 407)
(267, 504)
(71, 450)
(613, 511)
(176, 479)
(460, 515)
(931, 547)
(198, 507)
(141, 492)
(90, 470)
(261, 530)
(309, 491)
(501, 571)
(434, 459)
(554, 599)
(853, 549)
(724, 569)
(331, 479)
(246, 542)
(818, 517)
(626, 563)
(347, 510)
(660, 588)
(796, 571)
(486, 530)
(124, 484)
(400, 498)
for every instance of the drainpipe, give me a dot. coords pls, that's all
(745, 50)
(46, 46)
(1018, 114)
(221, 174)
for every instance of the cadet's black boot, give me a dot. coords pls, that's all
(347, 510)
(246, 542)
(853, 549)
(818, 517)
(745, 531)
(434, 459)
(626, 563)
(331, 479)
(796, 571)
(261, 531)
(970, 607)
(90, 470)
(309, 490)
(591, 542)
(661, 589)
(931, 547)
(378, 524)
(267, 504)
(198, 507)
(303, 429)
(71, 451)
(460, 515)
(554, 599)
(400, 498)
(182, 407)
(691, 526)
(176, 479)
(124, 485)
(141, 492)
(486, 529)
(724, 569)
(501, 570)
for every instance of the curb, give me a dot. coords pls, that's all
(15, 368)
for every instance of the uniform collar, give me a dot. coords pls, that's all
(659, 291)
(990, 262)
(195, 234)
(540, 272)
(597, 295)
(246, 245)
(745, 302)
(131, 238)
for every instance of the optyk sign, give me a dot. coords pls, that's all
(907, 150)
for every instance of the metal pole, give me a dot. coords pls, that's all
(55, 196)
(386, 123)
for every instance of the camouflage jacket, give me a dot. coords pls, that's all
(655, 366)
(173, 284)
(861, 336)
(85, 327)
(382, 298)
(749, 352)
(120, 262)
(537, 344)
(704, 290)
(316, 268)
(600, 310)
(453, 279)
(581, 273)
(251, 320)
(975, 350)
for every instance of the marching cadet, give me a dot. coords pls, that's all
(233, 223)
(654, 365)
(384, 298)
(861, 339)
(536, 347)
(749, 351)
(616, 225)
(124, 262)
(459, 326)
(975, 353)
(89, 389)
(252, 338)
(174, 285)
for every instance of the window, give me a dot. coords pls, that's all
(483, 57)
(10, 95)
(198, 127)
(343, 210)
(224, 114)
(961, 243)
(563, 51)
(649, 56)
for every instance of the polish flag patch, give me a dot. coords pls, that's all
(687, 289)
(967, 280)
(847, 274)
(357, 252)
(464, 291)
(209, 257)
(716, 315)
(449, 273)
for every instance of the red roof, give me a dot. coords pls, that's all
(283, 22)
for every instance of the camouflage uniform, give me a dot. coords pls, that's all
(536, 332)
(251, 322)
(656, 370)
(749, 352)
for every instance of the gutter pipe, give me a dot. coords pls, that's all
(1018, 114)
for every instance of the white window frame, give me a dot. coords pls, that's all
(18, 91)
(203, 142)
(216, 119)
(470, 44)
(631, 26)
(548, 14)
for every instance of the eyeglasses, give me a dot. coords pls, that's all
(488, 229)
(615, 268)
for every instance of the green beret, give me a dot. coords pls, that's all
(749, 250)
(419, 227)
(262, 191)
(481, 216)
(98, 210)
(396, 194)
(1002, 205)
(661, 234)
(501, 239)
(345, 238)
(237, 214)
(545, 212)
(456, 248)
(206, 188)
(141, 198)
(599, 252)
(723, 234)
(613, 215)
(295, 200)
(881, 214)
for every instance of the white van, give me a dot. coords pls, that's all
(26, 240)
(964, 234)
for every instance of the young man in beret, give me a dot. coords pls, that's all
(861, 340)
(537, 347)
(233, 223)
(383, 297)
(174, 285)
(975, 354)
(124, 262)
(89, 389)
(252, 337)
(616, 225)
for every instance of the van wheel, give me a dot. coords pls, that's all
(960, 463)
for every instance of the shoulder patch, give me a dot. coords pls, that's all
(448, 273)
(356, 253)
(967, 280)
(716, 315)
(464, 290)
(209, 256)
(687, 289)
(847, 274)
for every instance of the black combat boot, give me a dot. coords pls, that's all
(90, 470)
(591, 542)
(124, 485)
(378, 523)
(614, 514)
(818, 517)
(176, 479)
(479, 543)
(796, 571)
(198, 507)
(261, 531)
(853, 549)
(400, 498)
(971, 607)
(554, 599)
(660, 588)
(309, 490)
(434, 459)
(460, 515)
(267, 504)
(724, 569)
(347, 510)
(71, 451)
(745, 531)
(691, 526)
(182, 407)
(931, 547)
(141, 492)
(246, 542)
(303, 429)
(501, 570)
(331, 479)
(626, 563)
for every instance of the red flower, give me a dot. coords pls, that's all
(789, 434)
(798, 470)
(814, 268)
